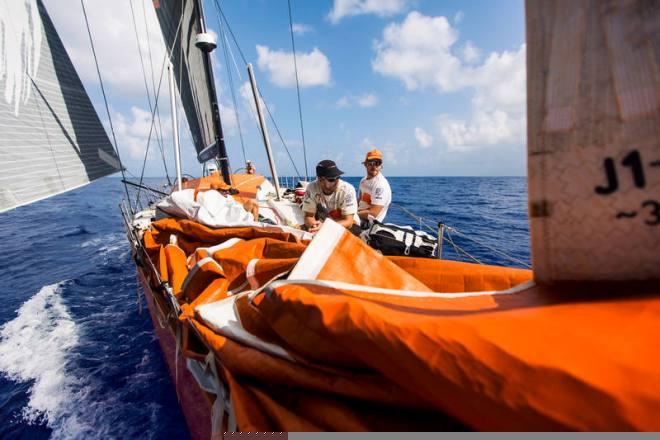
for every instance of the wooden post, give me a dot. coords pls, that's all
(441, 237)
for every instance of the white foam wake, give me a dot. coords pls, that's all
(33, 347)
(107, 244)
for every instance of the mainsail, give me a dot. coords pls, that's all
(181, 22)
(51, 139)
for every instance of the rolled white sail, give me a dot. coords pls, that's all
(51, 139)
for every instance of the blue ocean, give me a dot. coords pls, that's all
(78, 355)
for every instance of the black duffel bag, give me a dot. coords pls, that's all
(392, 239)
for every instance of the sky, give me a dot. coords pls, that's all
(438, 86)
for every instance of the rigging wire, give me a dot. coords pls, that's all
(146, 87)
(295, 66)
(460, 250)
(231, 32)
(168, 54)
(231, 84)
(279, 134)
(153, 82)
(240, 77)
(497, 251)
(238, 72)
(105, 100)
(217, 5)
(151, 129)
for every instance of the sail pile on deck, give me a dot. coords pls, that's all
(51, 139)
(330, 335)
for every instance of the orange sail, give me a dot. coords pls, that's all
(494, 352)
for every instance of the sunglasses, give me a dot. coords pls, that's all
(330, 179)
(374, 163)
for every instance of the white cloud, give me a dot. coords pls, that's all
(419, 52)
(365, 100)
(485, 128)
(381, 8)
(391, 153)
(313, 67)
(248, 100)
(423, 138)
(228, 113)
(228, 118)
(366, 144)
(114, 41)
(458, 17)
(498, 105)
(343, 102)
(133, 132)
(470, 52)
(301, 29)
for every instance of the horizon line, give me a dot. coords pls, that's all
(344, 176)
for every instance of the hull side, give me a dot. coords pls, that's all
(192, 399)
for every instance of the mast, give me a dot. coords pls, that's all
(206, 43)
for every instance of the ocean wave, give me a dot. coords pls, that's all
(33, 348)
(39, 347)
(78, 230)
(107, 244)
(104, 241)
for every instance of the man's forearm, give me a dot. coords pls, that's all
(347, 221)
(373, 211)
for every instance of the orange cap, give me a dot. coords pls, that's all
(374, 154)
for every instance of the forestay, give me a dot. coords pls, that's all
(51, 139)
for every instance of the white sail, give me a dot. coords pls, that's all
(51, 139)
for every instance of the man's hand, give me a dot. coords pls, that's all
(314, 227)
(311, 224)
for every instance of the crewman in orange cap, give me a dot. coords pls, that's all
(375, 193)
